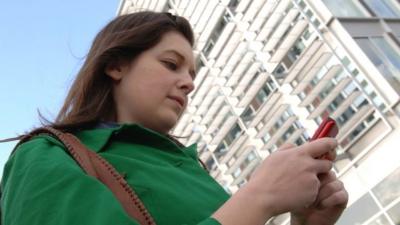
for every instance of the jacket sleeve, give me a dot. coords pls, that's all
(43, 185)
(209, 221)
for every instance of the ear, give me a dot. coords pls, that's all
(115, 71)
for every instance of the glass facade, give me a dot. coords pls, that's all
(345, 8)
(385, 57)
(384, 8)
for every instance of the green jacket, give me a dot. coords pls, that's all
(43, 185)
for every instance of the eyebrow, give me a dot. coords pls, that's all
(192, 72)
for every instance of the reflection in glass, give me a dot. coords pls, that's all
(381, 220)
(376, 59)
(359, 212)
(384, 57)
(394, 213)
(383, 8)
(344, 8)
(389, 51)
(389, 189)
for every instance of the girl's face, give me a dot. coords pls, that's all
(152, 89)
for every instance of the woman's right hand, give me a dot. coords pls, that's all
(288, 179)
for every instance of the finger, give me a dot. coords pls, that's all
(329, 189)
(322, 166)
(338, 199)
(319, 147)
(287, 146)
(331, 155)
(327, 177)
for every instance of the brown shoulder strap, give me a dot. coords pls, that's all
(94, 165)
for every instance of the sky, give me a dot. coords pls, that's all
(42, 45)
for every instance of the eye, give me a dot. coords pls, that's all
(170, 65)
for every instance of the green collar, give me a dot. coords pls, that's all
(97, 139)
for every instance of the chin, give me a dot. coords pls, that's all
(171, 122)
(166, 122)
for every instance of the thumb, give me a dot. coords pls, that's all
(286, 146)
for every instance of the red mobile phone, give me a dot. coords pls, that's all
(327, 128)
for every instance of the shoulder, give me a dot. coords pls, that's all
(42, 151)
(38, 146)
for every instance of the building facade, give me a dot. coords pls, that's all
(269, 71)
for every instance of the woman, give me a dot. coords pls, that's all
(128, 95)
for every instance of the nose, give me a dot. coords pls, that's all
(186, 84)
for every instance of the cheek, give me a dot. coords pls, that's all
(148, 86)
(147, 94)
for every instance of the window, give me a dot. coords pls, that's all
(336, 102)
(342, 119)
(384, 56)
(317, 100)
(233, 4)
(249, 158)
(221, 150)
(286, 135)
(349, 88)
(233, 134)
(328, 88)
(352, 153)
(266, 137)
(310, 108)
(381, 220)
(209, 45)
(280, 121)
(249, 85)
(360, 211)
(369, 90)
(258, 100)
(226, 117)
(248, 114)
(294, 53)
(237, 172)
(280, 71)
(199, 63)
(360, 102)
(210, 164)
(344, 8)
(302, 95)
(394, 213)
(301, 4)
(219, 27)
(383, 8)
(388, 51)
(388, 190)
(263, 93)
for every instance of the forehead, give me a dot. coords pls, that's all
(174, 42)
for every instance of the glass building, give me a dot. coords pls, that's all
(269, 71)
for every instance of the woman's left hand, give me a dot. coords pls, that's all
(330, 204)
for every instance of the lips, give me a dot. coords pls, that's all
(180, 100)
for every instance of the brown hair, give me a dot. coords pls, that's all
(90, 99)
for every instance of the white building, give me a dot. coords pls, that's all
(270, 70)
